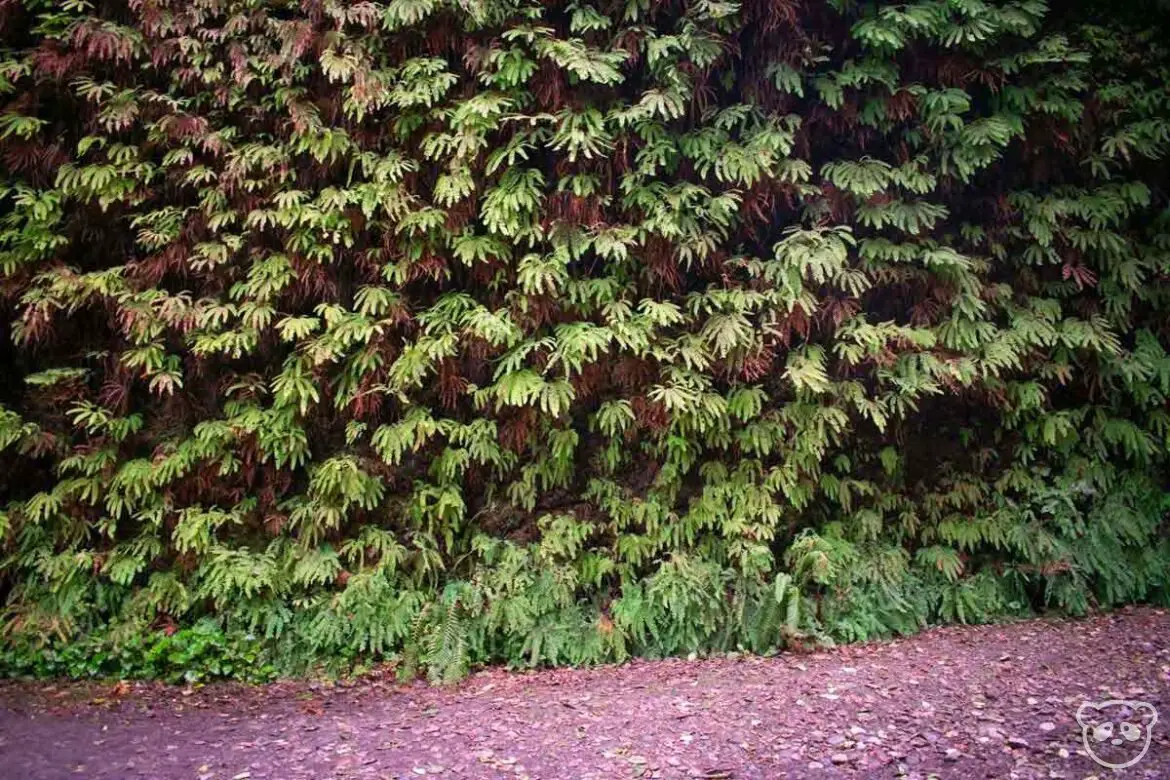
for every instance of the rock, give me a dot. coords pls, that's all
(815, 765)
(953, 754)
(993, 732)
(1017, 742)
(836, 739)
(1062, 753)
(1047, 726)
(840, 758)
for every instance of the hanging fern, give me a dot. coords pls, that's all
(456, 333)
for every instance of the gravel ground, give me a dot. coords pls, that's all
(963, 702)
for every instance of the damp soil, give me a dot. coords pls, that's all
(960, 702)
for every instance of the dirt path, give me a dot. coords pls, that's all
(978, 702)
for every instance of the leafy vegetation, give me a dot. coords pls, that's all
(459, 332)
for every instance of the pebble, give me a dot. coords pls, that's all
(815, 765)
(840, 758)
(1047, 726)
(1016, 742)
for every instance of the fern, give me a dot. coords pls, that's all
(584, 333)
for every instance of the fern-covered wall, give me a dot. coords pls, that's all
(558, 332)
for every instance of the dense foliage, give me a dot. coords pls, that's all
(556, 332)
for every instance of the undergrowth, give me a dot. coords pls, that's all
(449, 333)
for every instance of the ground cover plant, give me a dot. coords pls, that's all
(462, 332)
